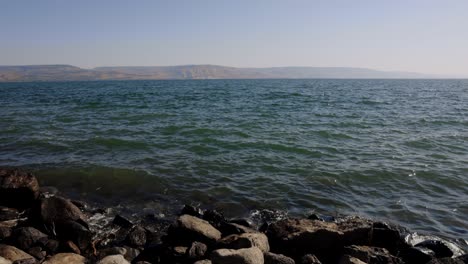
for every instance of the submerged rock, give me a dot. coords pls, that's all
(251, 255)
(18, 189)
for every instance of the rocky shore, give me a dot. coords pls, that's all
(37, 226)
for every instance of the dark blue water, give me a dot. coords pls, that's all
(389, 149)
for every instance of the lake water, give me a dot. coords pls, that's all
(387, 149)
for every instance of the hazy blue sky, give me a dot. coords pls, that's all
(409, 35)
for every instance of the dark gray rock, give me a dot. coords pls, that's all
(372, 255)
(417, 255)
(271, 258)
(122, 222)
(197, 250)
(137, 237)
(37, 252)
(27, 237)
(447, 261)
(18, 189)
(7, 213)
(310, 259)
(440, 249)
(192, 210)
(245, 240)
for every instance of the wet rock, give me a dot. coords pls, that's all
(189, 228)
(447, 261)
(242, 222)
(386, 236)
(76, 232)
(251, 255)
(13, 254)
(137, 237)
(7, 213)
(372, 255)
(27, 237)
(440, 249)
(18, 189)
(232, 228)
(197, 250)
(245, 240)
(113, 259)
(69, 258)
(214, 217)
(271, 258)
(417, 255)
(57, 209)
(122, 222)
(310, 259)
(297, 237)
(346, 259)
(356, 231)
(192, 210)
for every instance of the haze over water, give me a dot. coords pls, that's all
(389, 149)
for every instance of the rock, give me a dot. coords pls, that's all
(5, 232)
(346, 259)
(27, 237)
(251, 255)
(356, 231)
(233, 228)
(180, 251)
(122, 222)
(440, 249)
(131, 253)
(189, 228)
(447, 261)
(112, 251)
(113, 259)
(214, 217)
(192, 210)
(25, 261)
(13, 254)
(197, 250)
(18, 189)
(245, 240)
(385, 236)
(417, 255)
(271, 258)
(76, 232)
(69, 258)
(7, 213)
(56, 209)
(204, 261)
(5, 261)
(37, 252)
(137, 237)
(371, 255)
(297, 237)
(310, 259)
(69, 246)
(52, 246)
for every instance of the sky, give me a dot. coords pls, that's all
(423, 36)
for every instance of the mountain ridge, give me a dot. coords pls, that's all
(64, 72)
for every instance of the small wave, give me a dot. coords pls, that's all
(115, 143)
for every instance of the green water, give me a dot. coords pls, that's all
(390, 149)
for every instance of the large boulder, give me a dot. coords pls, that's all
(190, 228)
(297, 237)
(245, 240)
(251, 255)
(5, 261)
(14, 254)
(69, 258)
(17, 188)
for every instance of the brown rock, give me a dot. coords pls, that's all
(310, 259)
(5, 261)
(271, 258)
(69, 258)
(27, 237)
(190, 228)
(245, 240)
(13, 254)
(17, 188)
(372, 255)
(57, 209)
(113, 259)
(197, 250)
(346, 259)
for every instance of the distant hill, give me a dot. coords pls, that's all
(72, 73)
